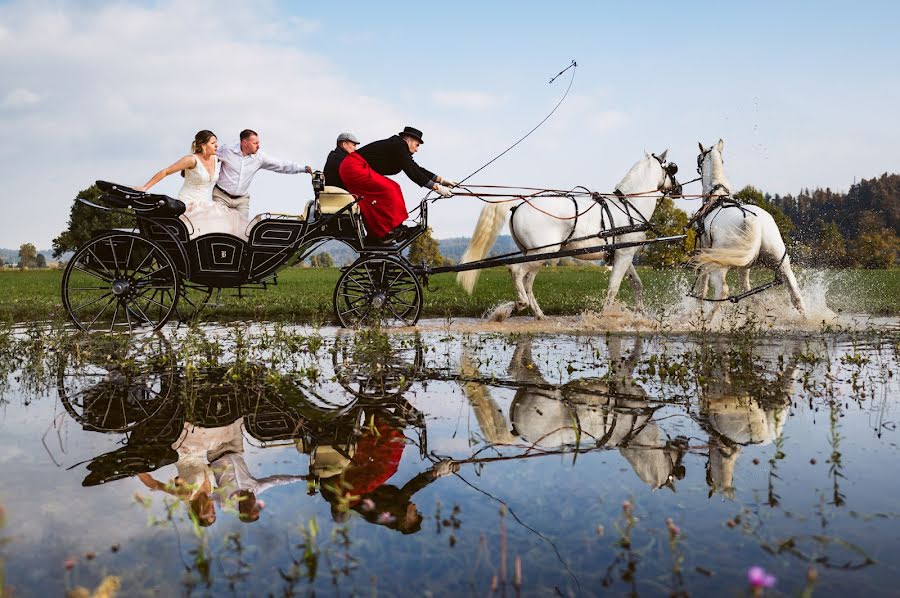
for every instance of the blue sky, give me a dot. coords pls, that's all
(804, 94)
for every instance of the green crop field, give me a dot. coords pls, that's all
(304, 294)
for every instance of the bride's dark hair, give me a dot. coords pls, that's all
(199, 139)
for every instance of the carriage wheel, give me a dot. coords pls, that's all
(377, 291)
(120, 282)
(194, 299)
(371, 371)
(112, 394)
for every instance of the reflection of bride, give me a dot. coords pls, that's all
(201, 171)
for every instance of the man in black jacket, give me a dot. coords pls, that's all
(364, 173)
(346, 145)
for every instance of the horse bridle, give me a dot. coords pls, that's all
(718, 186)
(669, 168)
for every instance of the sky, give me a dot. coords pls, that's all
(805, 94)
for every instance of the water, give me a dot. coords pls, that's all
(443, 462)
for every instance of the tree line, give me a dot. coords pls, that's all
(822, 228)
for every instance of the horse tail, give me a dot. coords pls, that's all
(741, 253)
(486, 231)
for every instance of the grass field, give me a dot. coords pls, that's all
(304, 294)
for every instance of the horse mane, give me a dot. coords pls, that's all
(718, 171)
(636, 176)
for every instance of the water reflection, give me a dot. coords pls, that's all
(354, 439)
(371, 431)
(613, 411)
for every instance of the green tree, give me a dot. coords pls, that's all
(85, 222)
(40, 261)
(321, 260)
(877, 246)
(831, 251)
(667, 220)
(27, 256)
(753, 195)
(425, 250)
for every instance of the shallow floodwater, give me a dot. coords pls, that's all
(451, 461)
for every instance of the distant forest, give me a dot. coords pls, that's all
(858, 228)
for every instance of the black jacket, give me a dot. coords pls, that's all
(390, 156)
(332, 167)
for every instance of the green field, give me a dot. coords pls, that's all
(304, 294)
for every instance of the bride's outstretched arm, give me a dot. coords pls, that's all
(182, 164)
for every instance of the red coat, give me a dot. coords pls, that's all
(382, 205)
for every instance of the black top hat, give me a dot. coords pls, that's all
(412, 132)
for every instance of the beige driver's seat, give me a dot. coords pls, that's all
(332, 199)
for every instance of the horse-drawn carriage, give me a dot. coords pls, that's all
(143, 277)
(140, 278)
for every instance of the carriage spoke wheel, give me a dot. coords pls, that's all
(194, 300)
(377, 291)
(370, 371)
(112, 393)
(120, 282)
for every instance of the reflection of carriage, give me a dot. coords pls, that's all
(150, 405)
(141, 278)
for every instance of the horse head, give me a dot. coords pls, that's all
(668, 185)
(711, 167)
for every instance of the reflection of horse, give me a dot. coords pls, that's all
(551, 224)
(740, 409)
(612, 412)
(737, 236)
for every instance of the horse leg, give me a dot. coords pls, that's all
(621, 263)
(533, 270)
(744, 274)
(637, 287)
(720, 287)
(793, 288)
(519, 272)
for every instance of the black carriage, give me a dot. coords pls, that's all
(140, 278)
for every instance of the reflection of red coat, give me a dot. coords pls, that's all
(376, 459)
(382, 204)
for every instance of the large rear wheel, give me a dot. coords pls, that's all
(119, 282)
(377, 291)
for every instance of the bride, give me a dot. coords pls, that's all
(200, 170)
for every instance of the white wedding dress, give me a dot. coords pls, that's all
(203, 214)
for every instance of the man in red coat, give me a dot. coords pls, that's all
(382, 205)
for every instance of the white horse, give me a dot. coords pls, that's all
(737, 237)
(550, 224)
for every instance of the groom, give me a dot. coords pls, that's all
(240, 162)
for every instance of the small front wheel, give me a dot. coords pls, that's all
(378, 291)
(120, 281)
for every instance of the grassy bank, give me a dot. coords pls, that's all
(304, 295)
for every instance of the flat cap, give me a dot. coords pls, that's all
(347, 137)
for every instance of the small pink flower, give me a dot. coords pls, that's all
(368, 504)
(386, 518)
(758, 578)
(69, 563)
(261, 504)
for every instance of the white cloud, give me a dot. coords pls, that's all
(19, 98)
(131, 85)
(473, 100)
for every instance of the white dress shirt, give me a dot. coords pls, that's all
(233, 475)
(238, 170)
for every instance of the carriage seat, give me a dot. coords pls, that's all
(332, 199)
(122, 196)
